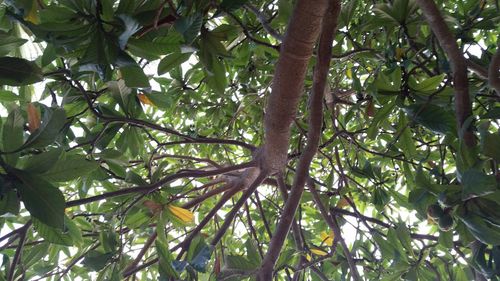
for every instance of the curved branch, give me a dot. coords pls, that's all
(494, 71)
(263, 21)
(19, 249)
(477, 69)
(288, 82)
(252, 179)
(463, 106)
(329, 26)
(332, 223)
(152, 187)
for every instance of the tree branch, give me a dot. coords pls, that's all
(328, 26)
(152, 187)
(263, 21)
(288, 82)
(252, 179)
(463, 106)
(336, 230)
(19, 250)
(493, 71)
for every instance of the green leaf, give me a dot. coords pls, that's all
(9, 203)
(481, 229)
(109, 241)
(49, 55)
(95, 57)
(165, 261)
(19, 72)
(68, 236)
(422, 181)
(429, 85)
(231, 5)
(189, 27)
(12, 135)
(8, 96)
(253, 255)
(381, 114)
(9, 43)
(446, 239)
(490, 146)
(70, 167)
(52, 123)
(95, 260)
(406, 142)
(403, 234)
(494, 113)
(217, 80)
(35, 254)
(388, 82)
(476, 184)
(213, 45)
(386, 249)
(196, 245)
(41, 163)
(239, 262)
(134, 77)
(43, 200)
(171, 61)
(161, 100)
(134, 140)
(433, 117)
(400, 254)
(120, 93)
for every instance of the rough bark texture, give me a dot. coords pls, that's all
(493, 71)
(329, 25)
(447, 41)
(288, 82)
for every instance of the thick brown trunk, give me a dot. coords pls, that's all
(288, 82)
(328, 27)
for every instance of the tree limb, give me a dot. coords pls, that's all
(260, 17)
(493, 71)
(463, 106)
(288, 82)
(336, 230)
(328, 26)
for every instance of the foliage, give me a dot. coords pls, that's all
(127, 125)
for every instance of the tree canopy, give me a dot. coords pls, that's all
(249, 140)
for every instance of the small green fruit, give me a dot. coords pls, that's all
(435, 211)
(445, 222)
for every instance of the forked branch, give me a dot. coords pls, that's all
(328, 27)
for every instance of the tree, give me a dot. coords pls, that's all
(259, 140)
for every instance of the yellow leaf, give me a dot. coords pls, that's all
(399, 53)
(32, 15)
(327, 237)
(144, 99)
(319, 252)
(181, 213)
(342, 203)
(349, 73)
(308, 257)
(33, 117)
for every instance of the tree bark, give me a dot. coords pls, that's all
(328, 26)
(493, 71)
(463, 106)
(288, 83)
